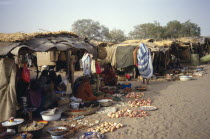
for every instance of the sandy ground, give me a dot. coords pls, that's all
(184, 112)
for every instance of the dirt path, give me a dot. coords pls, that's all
(184, 112)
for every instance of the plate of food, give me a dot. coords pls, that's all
(13, 122)
(57, 131)
(91, 135)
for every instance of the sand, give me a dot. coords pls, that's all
(183, 112)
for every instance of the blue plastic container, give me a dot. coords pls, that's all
(126, 86)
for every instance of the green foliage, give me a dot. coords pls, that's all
(91, 29)
(117, 36)
(173, 29)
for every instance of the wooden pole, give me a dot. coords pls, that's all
(97, 75)
(68, 88)
(72, 59)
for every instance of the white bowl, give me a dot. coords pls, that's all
(185, 78)
(75, 105)
(50, 117)
(104, 100)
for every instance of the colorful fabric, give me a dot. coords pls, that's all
(144, 61)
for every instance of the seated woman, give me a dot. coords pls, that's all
(84, 90)
(109, 76)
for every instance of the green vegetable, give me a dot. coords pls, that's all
(116, 98)
(95, 93)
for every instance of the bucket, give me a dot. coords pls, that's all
(205, 58)
(195, 59)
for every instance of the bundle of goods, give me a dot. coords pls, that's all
(128, 113)
(141, 102)
(106, 127)
(134, 95)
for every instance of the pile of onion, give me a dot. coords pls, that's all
(134, 95)
(106, 127)
(128, 113)
(141, 102)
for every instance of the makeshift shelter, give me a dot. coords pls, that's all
(118, 55)
(14, 45)
(191, 46)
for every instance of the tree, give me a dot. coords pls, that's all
(90, 29)
(117, 36)
(190, 29)
(173, 29)
(148, 30)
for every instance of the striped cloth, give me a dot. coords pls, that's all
(144, 61)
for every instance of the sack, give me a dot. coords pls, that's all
(98, 68)
(25, 74)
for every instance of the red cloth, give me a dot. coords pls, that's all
(85, 92)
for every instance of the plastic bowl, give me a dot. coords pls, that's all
(185, 78)
(50, 117)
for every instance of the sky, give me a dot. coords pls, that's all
(53, 15)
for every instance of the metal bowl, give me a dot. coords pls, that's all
(105, 102)
(57, 133)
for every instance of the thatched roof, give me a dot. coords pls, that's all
(138, 41)
(42, 42)
(193, 40)
(166, 43)
(14, 37)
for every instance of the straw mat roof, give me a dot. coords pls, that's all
(16, 37)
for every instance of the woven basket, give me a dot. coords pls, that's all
(87, 112)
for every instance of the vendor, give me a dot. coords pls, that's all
(84, 90)
(109, 76)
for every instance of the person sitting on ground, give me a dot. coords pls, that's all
(109, 76)
(84, 91)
